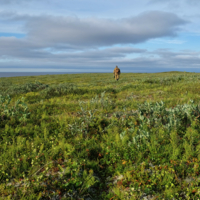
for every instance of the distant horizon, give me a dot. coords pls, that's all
(19, 74)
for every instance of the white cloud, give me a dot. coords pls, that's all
(97, 32)
(53, 31)
(60, 40)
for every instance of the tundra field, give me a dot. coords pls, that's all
(87, 136)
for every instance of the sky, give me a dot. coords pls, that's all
(95, 36)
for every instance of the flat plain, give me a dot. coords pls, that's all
(87, 136)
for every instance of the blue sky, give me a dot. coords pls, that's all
(95, 36)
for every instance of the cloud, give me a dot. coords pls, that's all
(55, 30)
(103, 60)
(24, 49)
(98, 32)
(18, 48)
(68, 43)
(184, 59)
(50, 34)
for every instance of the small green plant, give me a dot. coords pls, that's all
(14, 90)
(18, 111)
(58, 90)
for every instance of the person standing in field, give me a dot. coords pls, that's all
(116, 73)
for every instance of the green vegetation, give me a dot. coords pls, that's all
(87, 136)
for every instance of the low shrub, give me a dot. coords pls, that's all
(58, 90)
(22, 89)
(19, 111)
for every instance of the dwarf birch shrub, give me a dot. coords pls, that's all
(156, 114)
(88, 122)
(95, 103)
(24, 88)
(58, 90)
(164, 81)
(151, 117)
(19, 111)
(4, 85)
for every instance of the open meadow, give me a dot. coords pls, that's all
(87, 136)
